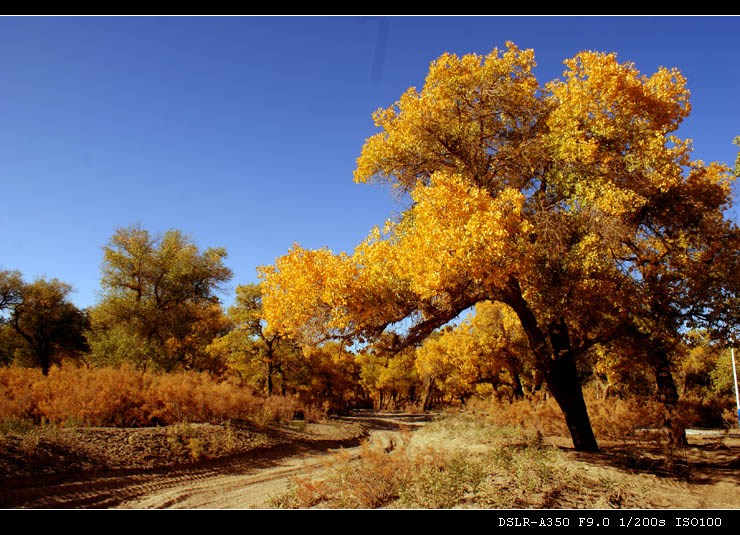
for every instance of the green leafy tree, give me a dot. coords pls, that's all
(11, 285)
(704, 376)
(159, 306)
(12, 347)
(39, 322)
(263, 359)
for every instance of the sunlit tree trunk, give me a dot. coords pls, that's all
(426, 393)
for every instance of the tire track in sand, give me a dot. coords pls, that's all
(244, 481)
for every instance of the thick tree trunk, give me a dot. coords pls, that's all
(43, 353)
(668, 396)
(516, 380)
(556, 361)
(426, 393)
(45, 361)
(564, 384)
(277, 371)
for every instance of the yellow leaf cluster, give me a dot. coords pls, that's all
(462, 121)
(458, 232)
(609, 128)
(303, 293)
(488, 347)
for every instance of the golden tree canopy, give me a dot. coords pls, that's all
(572, 202)
(571, 189)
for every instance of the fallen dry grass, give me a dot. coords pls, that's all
(460, 462)
(470, 461)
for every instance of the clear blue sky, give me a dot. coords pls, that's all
(243, 132)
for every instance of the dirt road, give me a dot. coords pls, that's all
(240, 482)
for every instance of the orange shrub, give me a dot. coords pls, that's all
(279, 409)
(195, 397)
(543, 415)
(315, 412)
(16, 392)
(97, 397)
(614, 418)
(126, 397)
(611, 418)
(177, 398)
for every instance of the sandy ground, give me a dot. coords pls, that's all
(268, 463)
(704, 475)
(246, 480)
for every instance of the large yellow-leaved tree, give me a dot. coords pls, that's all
(571, 202)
